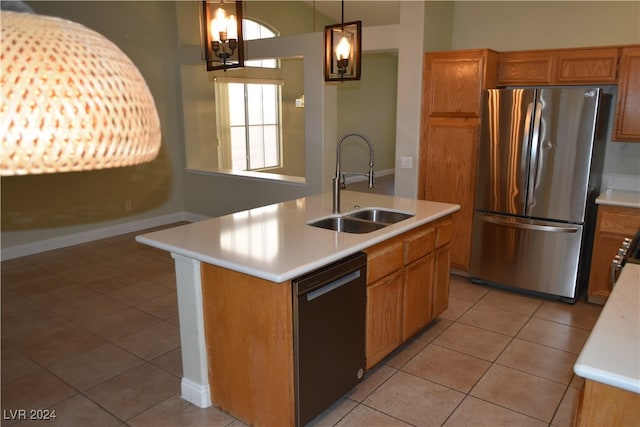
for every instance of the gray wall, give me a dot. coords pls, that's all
(40, 207)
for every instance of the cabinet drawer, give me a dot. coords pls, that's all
(617, 220)
(444, 232)
(419, 244)
(384, 259)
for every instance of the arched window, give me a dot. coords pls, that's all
(253, 30)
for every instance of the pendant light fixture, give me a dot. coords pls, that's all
(222, 34)
(342, 50)
(70, 100)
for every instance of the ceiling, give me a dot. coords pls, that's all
(370, 12)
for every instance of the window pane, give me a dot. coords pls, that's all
(269, 63)
(271, 151)
(254, 103)
(270, 104)
(250, 30)
(256, 148)
(238, 148)
(236, 104)
(266, 33)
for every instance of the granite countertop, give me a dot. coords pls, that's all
(611, 354)
(276, 243)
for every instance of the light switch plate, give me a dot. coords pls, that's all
(406, 162)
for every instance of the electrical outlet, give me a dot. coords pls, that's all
(127, 205)
(406, 162)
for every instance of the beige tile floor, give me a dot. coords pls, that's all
(92, 332)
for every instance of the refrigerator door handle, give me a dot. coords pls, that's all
(533, 165)
(536, 227)
(526, 136)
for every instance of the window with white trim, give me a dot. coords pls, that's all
(248, 115)
(249, 129)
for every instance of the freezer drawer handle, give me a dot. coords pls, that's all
(333, 285)
(536, 227)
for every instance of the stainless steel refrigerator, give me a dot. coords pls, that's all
(538, 174)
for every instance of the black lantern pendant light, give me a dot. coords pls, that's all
(222, 34)
(342, 50)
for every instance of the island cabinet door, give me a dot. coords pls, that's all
(442, 263)
(384, 317)
(418, 287)
(441, 281)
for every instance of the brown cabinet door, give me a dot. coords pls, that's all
(453, 83)
(441, 281)
(627, 122)
(384, 318)
(558, 67)
(604, 249)
(525, 68)
(604, 405)
(613, 225)
(418, 288)
(451, 176)
(586, 66)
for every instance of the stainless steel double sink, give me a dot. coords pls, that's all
(362, 221)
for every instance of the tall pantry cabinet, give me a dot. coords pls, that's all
(627, 124)
(450, 128)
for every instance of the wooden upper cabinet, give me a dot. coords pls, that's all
(453, 82)
(525, 68)
(627, 121)
(586, 66)
(558, 67)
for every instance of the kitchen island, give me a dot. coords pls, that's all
(234, 290)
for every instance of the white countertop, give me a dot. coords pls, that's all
(611, 354)
(620, 190)
(622, 198)
(275, 243)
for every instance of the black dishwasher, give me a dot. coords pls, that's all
(329, 309)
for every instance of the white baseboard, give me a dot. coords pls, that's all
(18, 251)
(198, 394)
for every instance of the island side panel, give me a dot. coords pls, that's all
(249, 336)
(195, 377)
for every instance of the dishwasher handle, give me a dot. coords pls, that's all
(333, 285)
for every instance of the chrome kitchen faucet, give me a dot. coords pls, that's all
(337, 179)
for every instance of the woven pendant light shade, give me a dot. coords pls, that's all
(71, 100)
